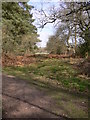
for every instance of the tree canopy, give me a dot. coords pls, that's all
(55, 45)
(75, 19)
(19, 33)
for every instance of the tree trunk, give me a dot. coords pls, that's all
(75, 39)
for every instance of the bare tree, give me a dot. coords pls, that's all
(76, 16)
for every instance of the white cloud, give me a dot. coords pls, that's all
(45, 34)
(59, 0)
(44, 0)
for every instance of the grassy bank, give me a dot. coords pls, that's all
(52, 71)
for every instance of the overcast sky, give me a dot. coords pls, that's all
(49, 29)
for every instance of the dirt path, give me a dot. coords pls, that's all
(20, 100)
